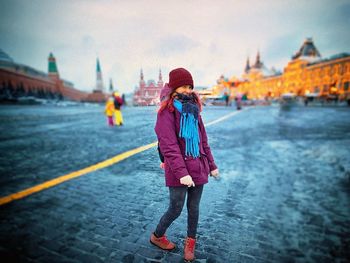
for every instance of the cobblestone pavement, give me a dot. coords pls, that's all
(283, 195)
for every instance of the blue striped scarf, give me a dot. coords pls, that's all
(188, 124)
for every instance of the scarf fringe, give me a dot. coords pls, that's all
(189, 131)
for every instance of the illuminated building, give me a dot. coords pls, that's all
(307, 72)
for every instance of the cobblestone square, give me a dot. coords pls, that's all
(283, 193)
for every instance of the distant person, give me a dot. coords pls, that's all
(109, 110)
(238, 101)
(118, 102)
(187, 156)
(227, 98)
(124, 99)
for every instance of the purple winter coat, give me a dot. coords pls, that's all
(173, 147)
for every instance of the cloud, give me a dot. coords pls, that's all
(209, 38)
(171, 45)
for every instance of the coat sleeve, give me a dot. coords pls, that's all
(169, 145)
(206, 146)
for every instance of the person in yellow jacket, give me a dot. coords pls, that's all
(109, 110)
(118, 102)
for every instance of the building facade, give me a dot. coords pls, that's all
(147, 94)
(307, 72)
(17, 80)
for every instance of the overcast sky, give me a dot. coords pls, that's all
(209, 38)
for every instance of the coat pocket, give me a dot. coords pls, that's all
(193, 167)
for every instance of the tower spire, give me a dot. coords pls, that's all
(258, 63)
(52, 65)
(142, 81)
(160, 79)
(98, 67)
(99, 81)
(247, 66)
(111, 85)
(160, 75)
(258, 58)
(141, 75)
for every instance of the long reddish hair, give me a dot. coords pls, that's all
(169, 103)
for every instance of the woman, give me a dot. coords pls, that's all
(187, 158)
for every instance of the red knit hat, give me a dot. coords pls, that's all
(180, 77)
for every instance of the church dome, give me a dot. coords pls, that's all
(308, 49)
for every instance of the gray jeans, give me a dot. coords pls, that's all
(177, 200)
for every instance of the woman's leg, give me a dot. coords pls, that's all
(177, 200)
(110, 120)
(193, 200)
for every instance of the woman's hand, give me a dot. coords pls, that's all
(187, 180)
(215, 173)
(162, 166)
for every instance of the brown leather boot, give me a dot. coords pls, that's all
(162, 242)
(190, 244)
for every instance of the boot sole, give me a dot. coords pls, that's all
(169, 249)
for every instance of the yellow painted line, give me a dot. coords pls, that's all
(116, 159)
(63, 178)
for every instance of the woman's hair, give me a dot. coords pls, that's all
(169, 103)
